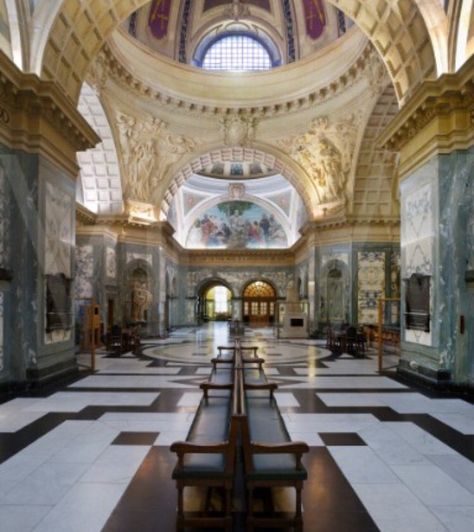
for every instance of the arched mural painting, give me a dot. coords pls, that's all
(236, 225)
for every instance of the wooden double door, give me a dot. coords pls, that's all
(259, 312)
(259, 304)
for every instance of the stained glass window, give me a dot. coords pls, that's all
(237, 53)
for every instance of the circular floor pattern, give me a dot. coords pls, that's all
(198, 349)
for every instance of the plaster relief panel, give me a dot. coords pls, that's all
(148, 151)
(326, 153)
(110, 262)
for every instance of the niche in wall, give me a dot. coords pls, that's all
(58, 303)
(417, 302)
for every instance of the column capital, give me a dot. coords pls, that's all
(37, 117)
(438, 119)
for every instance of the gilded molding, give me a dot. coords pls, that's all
(108, 62)
(437, 119)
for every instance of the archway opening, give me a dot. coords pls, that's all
(215, 303)
(259, 304)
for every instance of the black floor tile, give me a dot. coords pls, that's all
(341, 438)
(136, 438)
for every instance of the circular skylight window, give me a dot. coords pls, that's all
(237, 53)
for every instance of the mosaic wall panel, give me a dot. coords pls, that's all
(237, 279)
(236, 225)
(84, 271)
(58, 230)
(370, 284)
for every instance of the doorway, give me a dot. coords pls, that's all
(215, 303)
(259, 304)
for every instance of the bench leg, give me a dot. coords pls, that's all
(298, 516)
(249, 527)
(180, 517)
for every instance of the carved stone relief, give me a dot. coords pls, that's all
(239, 130)
(326, 153)
(148, 151)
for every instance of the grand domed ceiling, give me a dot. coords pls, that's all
(290, 30)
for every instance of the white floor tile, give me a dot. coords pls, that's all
(21, 518)
(433, 486)
(418, 438)
(362, 465)
(455, 518)
(117, 464)
(286, 399)
(394, 508)
(458, 468)
(86, 507)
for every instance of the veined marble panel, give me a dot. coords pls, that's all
(2, 364)
(4, 219)
(84, 271)
(417, 231)
(59, 236)
(371, 284)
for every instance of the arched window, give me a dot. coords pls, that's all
(237, 53)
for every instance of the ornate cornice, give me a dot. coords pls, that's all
(439, 118)
(84, 216)
(35, 115)
(108, 62)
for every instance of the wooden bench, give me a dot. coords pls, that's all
(207, 457)
(271, 459)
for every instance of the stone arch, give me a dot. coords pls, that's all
(463, 32)
(209, 282)
(100, 180)
(16, 47)
(397, 29)
(278, 163)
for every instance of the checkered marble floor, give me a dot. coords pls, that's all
(94, 455)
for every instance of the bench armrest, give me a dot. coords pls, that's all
(206, 386)
(297, 448)
(294, 447)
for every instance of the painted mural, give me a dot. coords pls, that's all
(315, 18)
(236, 225)
(159, 18)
